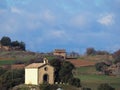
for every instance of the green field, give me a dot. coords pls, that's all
(90, 78)
(6, 62)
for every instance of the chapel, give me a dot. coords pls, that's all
(38, 73)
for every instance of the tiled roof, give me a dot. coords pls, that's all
(35, 65)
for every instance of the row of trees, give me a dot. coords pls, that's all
(92, 51)
(6, 41)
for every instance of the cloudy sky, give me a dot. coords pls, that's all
(70, 24)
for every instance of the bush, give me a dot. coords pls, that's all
(21, 88)
(19, 62)
(105, 86)
(116, 56)
(46, 86)
(100, 66)
(84, 88)
(75, 82)
(2, 71)
(12, 78)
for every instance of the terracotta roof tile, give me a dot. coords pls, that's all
(35, 65)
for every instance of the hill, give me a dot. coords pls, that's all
(90, 60)
(10, 57)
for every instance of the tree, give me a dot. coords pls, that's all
(116, 56)
(56, 63)
(15, 43)
(5, 41)
(90, 51)
(102, 52)
(65, 72)
(22, 45)
(105, 86)
(100, 66)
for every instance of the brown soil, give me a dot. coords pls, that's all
(80, 63)
(18, 66)
(6, 58)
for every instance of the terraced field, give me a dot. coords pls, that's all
(90, 78)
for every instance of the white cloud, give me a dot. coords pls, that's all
(16, 19)
(107, 19)
(37, 20)
(16, 10)
(58, 33)
(82, 20)
(2, 11)
(9, 26)
(48, 16)
(33, 25)
(78, 21)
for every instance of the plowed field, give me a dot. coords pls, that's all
(80, 63)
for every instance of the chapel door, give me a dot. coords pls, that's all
(45, 78)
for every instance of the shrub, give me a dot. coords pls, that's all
(105, 86)
(75, 82)
(46, 86)
(84, 88)
(100, 66)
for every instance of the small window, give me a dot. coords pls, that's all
(45, 68)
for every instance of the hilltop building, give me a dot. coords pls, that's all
(60, 52)
(38, 73)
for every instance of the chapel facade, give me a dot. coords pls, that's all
(38, 73)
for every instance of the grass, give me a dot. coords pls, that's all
(50, 57)
(93, 81)
(96, 58)
(86, 70)
(6, 62)
(89, 78)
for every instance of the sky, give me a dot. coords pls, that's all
(74, 25)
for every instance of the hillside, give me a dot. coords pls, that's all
(90, 60)
(9, 57)
(88, 75)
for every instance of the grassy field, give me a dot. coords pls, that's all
(6, 62)
(9, 57)
(90, 78)
(96, 58)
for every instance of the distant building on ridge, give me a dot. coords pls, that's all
(60, 52)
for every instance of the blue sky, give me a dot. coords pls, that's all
(70, 24)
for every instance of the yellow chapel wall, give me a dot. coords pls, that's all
(31, 76)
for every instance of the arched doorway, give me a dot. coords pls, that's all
(45, 78)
